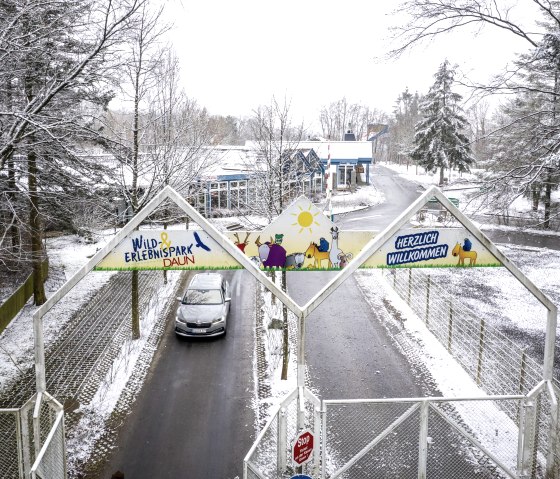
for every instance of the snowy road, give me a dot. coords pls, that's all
(194, 417)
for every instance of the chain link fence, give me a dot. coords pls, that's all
(11, 462)
(33, 443)
(401, 438)
(463, 438)
(495, 362)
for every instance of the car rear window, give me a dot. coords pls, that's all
(203, 296)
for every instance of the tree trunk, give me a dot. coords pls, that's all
(285, 336)
(441, 177)
(14, 228)
(547, 200)
(12, 218)
(535, 193)
(134, 309)
(134, 304)
(35, 230)
(165, 227)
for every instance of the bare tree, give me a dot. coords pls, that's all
(401, 133)
(160, 139)
(275, 172)
(276, 139)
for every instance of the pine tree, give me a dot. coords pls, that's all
(439, 141)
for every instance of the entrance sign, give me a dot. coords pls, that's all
(408, 247)
(300, 239)
(302, 447)
(436, 248)
(168, 249)
(303, 219)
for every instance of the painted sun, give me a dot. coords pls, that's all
(305, 219)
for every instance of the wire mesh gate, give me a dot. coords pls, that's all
(32, 440)
(414, 438)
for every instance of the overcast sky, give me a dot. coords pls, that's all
(236, 54)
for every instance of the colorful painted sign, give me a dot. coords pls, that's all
(432, 248)
(168, 249)
(301, 238)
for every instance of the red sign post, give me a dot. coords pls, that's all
(302, 448)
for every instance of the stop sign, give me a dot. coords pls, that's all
(302, 448)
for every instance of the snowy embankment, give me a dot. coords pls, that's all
(344, 201)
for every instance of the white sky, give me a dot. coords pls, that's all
(236, 55)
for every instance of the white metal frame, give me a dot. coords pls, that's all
(166, 193)
(300, 311)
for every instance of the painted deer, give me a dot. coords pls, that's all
(241, 244)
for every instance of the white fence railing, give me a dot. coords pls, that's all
(413, 438)
(32, 440)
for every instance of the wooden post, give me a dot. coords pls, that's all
(480, 352)
(450, 329)
(428, 300)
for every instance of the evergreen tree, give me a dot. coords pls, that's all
(439, 141)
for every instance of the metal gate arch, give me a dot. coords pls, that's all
(303, 311)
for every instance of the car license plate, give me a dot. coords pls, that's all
(201, 331)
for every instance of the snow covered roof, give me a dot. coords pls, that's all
(229, 161)
(341, 151)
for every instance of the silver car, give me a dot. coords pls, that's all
(204, 307)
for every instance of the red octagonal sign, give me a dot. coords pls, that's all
(302, 448)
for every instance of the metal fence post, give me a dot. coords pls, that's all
(323, 440)
(450, 327)
(25, 438)
(37, 424)
(19, 443)
(522, 370)
(480, 351)
(300, 410)
(529, 413)
(552, 442)
(428, 300)
(317, 426)
(282, 440)
(423, 440)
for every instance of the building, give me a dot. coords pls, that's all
(234, 181)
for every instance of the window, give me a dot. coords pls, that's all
(344, 174)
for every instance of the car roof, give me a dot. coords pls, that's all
(206, 281)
